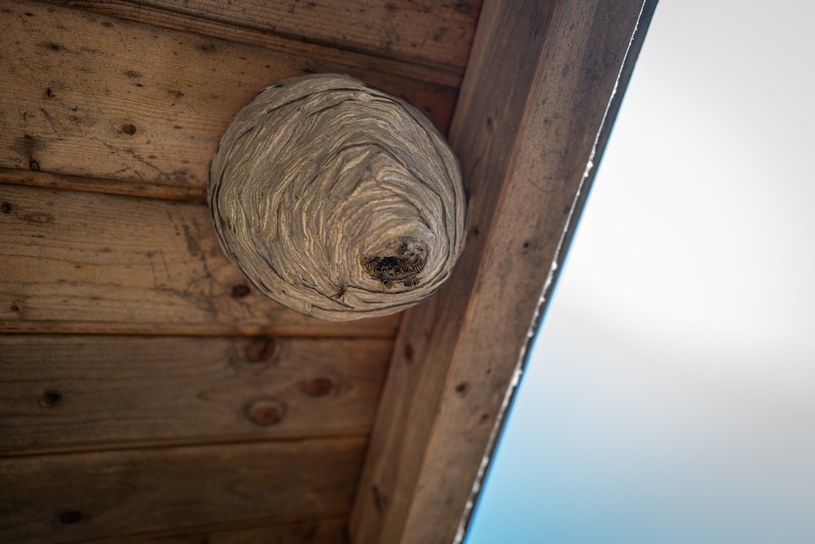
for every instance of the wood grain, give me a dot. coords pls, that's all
(423, 31)
(87, 496)
(88, 95)
(310, 531)
(428, 41)
(68, 392)
(85, 262)
(533, 100)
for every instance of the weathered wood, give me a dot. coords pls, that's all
(533, 99)
(99, 185)
(310, 531)
(85, 262)
(68, 392)
(85, 496)
(427, 31)
(87, 95)
(428, 42)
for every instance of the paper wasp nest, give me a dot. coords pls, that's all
(336, 199)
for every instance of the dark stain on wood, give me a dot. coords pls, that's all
(26, 146)
(440, 33)
(70, 517)
(464, 7)
(38, 218)
(193, 245)
(380, 500)
(53, 46)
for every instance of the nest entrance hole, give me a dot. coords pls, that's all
(399, 262)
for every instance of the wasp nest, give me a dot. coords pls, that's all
(336, 199)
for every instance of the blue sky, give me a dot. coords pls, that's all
(670, 394)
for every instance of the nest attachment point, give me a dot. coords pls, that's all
(336, 199)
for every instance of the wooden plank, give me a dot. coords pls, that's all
(533, 100)
(73, 392)
(317, 31)
(319, 531)
(87, 95)
(86, 496)
(308, 528)
(424, 31)
(91, 263)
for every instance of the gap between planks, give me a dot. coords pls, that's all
(171, 443)
(66, 182)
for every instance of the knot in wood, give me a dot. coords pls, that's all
(336, 199)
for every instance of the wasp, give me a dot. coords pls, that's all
(340, 292)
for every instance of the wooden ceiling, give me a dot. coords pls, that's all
(147, 392)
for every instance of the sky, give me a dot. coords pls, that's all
(670, 393)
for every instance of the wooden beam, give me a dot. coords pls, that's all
(80, 497)
(94, 263)
(429, 42)
(70, 392)
(93, 96)
(535, 95)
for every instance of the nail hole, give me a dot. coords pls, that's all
(51, 398)
(34, 165)
(241, 290)
(15, 308)
(5, 207)
(462, 388)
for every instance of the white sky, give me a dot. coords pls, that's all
(671, 392)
